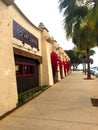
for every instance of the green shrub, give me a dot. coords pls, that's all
(29, 95)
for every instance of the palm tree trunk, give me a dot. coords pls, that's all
(88, 65)
(96, 2)
(83, 64)
(85, 70)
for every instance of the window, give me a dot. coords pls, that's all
(24, 69)
(31, 69)
(18, 68)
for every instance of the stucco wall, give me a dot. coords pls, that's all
(20, 18)
(8, 91)
(47, 77)
(8, 88)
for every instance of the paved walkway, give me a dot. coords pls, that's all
(64, 106)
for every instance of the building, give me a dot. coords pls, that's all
(26, 53)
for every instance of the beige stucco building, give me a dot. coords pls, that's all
(25, 52)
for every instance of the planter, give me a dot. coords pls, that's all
(22, 99)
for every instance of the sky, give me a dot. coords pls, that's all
(47, 12)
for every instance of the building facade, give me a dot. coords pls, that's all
(27, 56)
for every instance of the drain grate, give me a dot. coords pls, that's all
(94, 102)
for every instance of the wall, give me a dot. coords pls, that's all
(20, 18)
(47, 77)
(8, 91)
(8, 88)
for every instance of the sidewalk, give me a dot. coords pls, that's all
(65, 106)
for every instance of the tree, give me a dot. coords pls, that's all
(77, 24)
(83, 55)
(75, 60)
(93, 16)
(73, 15)
(86, 40)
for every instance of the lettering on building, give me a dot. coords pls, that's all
(25, 36)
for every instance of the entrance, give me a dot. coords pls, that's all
(27, 74)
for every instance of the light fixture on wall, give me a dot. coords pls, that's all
(23, 43)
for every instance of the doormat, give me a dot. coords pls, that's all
(94, 102)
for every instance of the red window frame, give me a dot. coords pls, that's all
(23, 73)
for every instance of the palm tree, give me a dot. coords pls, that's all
(77, 25)
(85, 40)
(83, 55)
(93, 16)
(73, 15)
(74, 12)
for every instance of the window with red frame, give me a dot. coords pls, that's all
(24, 69)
